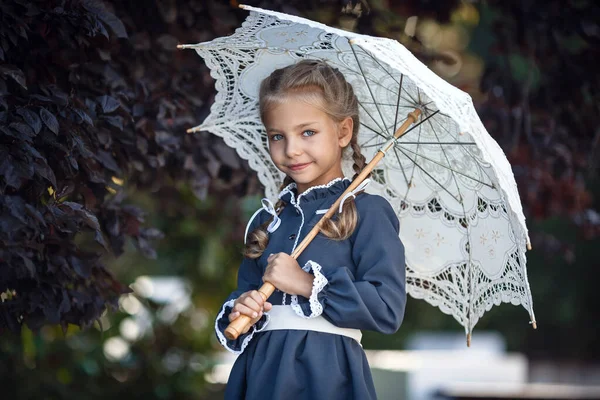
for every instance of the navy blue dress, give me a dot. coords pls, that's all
(359, 283)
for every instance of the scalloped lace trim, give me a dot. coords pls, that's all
(319, 283)
(294, 201)
(252, 331)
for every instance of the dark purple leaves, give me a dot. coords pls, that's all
(15, 73)
(84, 116)
(114, 121)
(77, 110)
(31, 118)
(24, 130)
(49, 120)
(108, 104)
(99, 10)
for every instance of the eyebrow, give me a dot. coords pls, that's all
(296, 127)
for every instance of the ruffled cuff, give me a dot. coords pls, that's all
(314, 307)
(238, 345)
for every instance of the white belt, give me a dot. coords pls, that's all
(284, 317)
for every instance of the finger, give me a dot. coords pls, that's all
(253, 304)
(233, 316)
(242, 309)
(256, 296)
(267, 306)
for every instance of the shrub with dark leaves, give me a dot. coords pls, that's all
(62, 148)
(88, 113)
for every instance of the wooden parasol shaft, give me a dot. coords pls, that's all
(240, 324)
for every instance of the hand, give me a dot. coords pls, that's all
(284, 272)
(251, 304)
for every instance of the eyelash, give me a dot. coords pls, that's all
(308, 130)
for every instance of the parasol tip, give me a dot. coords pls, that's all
(191, 130)
(534, 324)
(180, 46)
(468, 340)
(529, 246)
(242, 6)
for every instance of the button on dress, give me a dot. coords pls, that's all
(359, 283)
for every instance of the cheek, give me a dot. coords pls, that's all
(275, 151)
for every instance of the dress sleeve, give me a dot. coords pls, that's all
(375, 297)
(249, 278)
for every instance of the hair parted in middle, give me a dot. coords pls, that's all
(325, 88)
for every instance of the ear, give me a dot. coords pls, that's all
(345, 131)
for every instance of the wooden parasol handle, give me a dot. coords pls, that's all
(239, 325)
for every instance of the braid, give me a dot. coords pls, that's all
(359, 159)
(259, 238)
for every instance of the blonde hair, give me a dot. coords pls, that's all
(323, 87)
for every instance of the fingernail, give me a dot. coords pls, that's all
(254, 315)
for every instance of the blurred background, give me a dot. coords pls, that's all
(121, 235)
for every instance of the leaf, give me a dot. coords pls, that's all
(98, 9)
(9, 132)
(65, 304)
(16, 207)
(10, 174)
(59, 97)
(115, 121)
(32, 119)
(33, 151)
(138, 110)
(49, 120)
(153, 233)
(100, 239)
(81, 269)
(24, 129)
(15, 73)
(51, 313)
(108, 103)
(35, 214)
(90, 220)
(100, 27)
(73, 163)
(28, 263)
(144, 246)
(44, 170)
(39, 97)
(107, 160)
(81, 146)
(84, 116)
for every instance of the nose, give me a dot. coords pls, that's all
(292, 148)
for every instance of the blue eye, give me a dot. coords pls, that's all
(276, 137)
(310, 133)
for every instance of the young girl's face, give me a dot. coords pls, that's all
(305, 143)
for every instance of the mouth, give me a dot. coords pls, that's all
(298, 167)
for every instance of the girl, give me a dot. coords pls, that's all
(304, 342)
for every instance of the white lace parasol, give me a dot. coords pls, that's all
(451, 185)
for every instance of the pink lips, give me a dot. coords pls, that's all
(298, 167)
